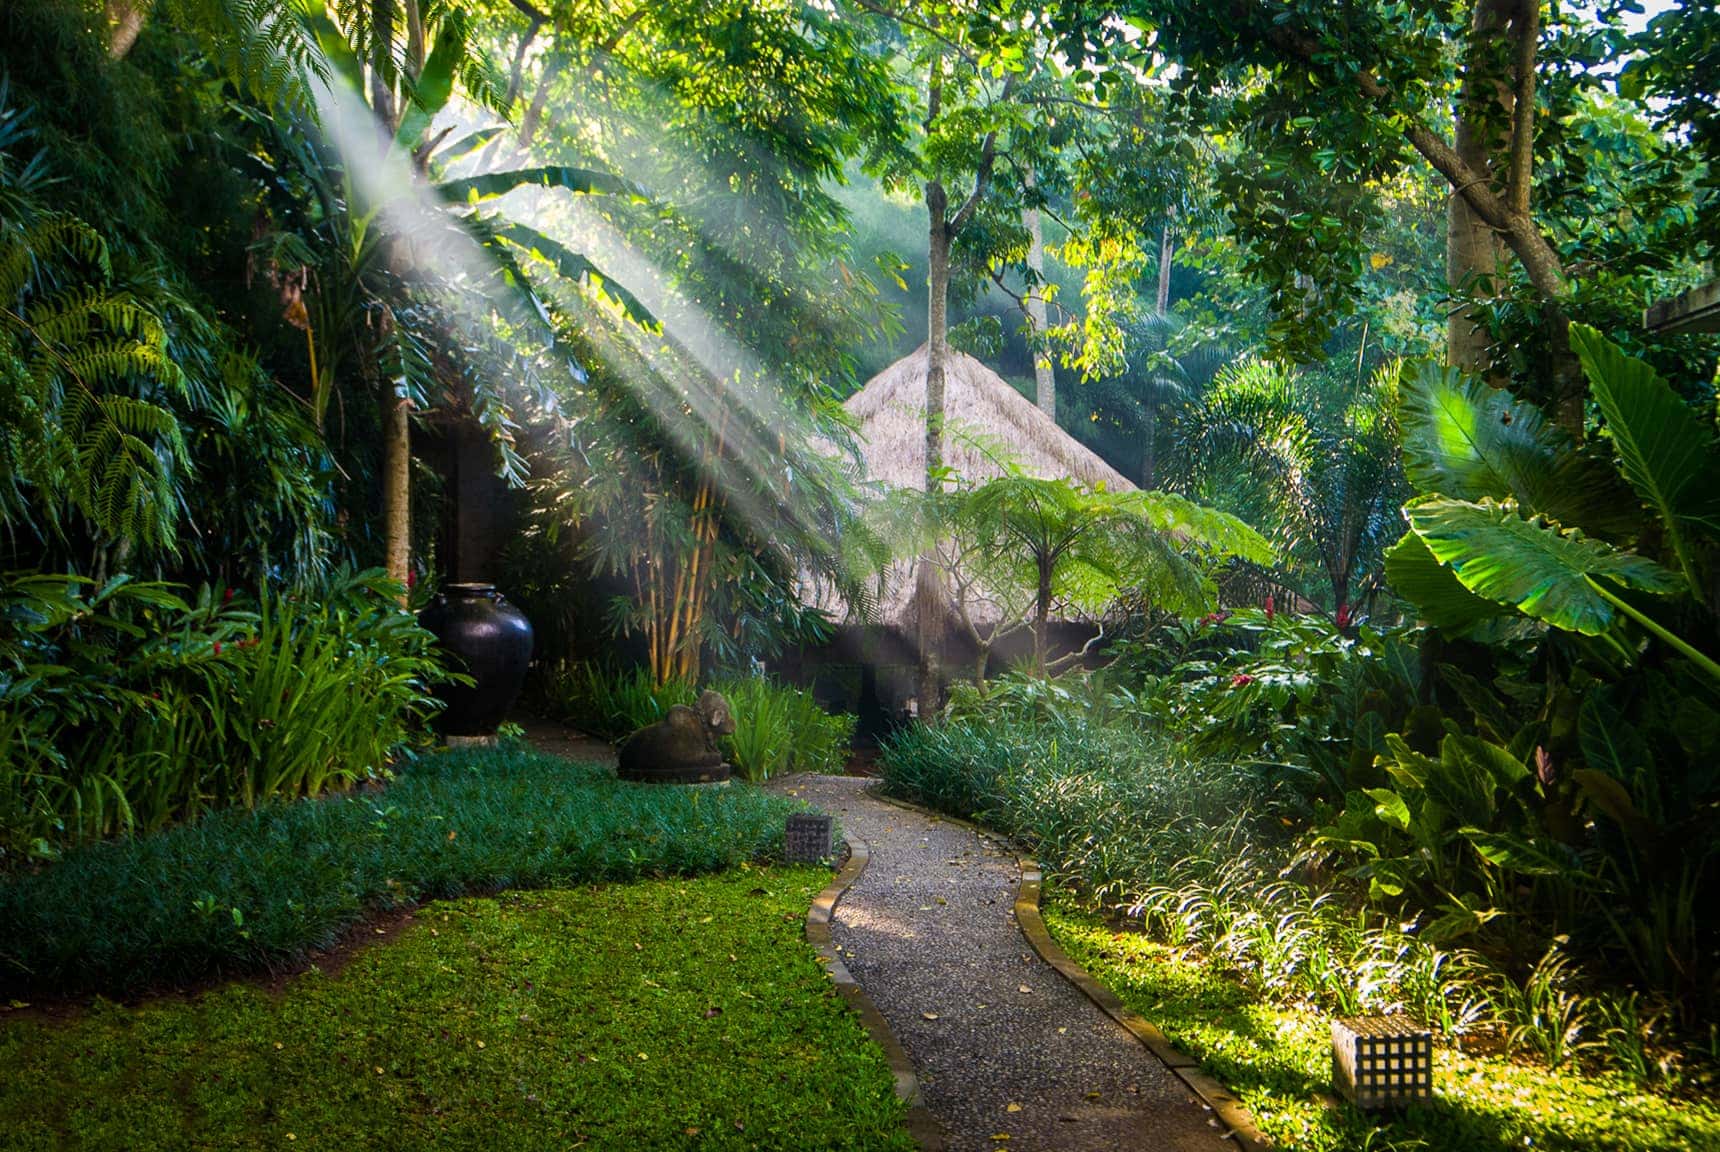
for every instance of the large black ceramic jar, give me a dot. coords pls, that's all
(489, 640)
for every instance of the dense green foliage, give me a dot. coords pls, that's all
(1227, 858)
(777, 728)
(665, 1014)
(126, 707)
(1275, 1053)
(240, 891)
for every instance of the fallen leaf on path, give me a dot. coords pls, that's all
(1024, 988)
(1013, 1107)
(929, 1015)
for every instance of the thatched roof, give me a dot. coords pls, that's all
(984, 417)
(986, 423)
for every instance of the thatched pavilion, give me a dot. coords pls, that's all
(869, 668)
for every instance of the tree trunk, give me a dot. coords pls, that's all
(1162, 302)
(1044, 374)
(382, 70)
(928, 584)
(125, 23)
(397, 485)
(1149, 443)
(1042, 614)
(1472, 248)
(1150, 403)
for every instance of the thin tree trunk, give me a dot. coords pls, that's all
(397, 485)
(1044, 373)
(928, 585)
(1149, 444)
(1042, 614)
(1162, 302)
(1150, 413)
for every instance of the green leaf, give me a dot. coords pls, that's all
(1514, 854)
(1531, 565)
(1609, 741)
(1611, 798)
(1664, 449)
(583, 181)
(333, 43)
(1439, 596)
(435, 83)
(1466, 439)
(1390, 807)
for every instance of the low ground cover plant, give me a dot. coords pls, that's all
(1276, 1055)
(531, 1020)
(778, 728)
(128, 705)
(248, 890)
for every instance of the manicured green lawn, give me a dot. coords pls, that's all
(1277, 1057)
(668, 1013)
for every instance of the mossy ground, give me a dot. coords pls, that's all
(671, 1013)
(1277, 1058)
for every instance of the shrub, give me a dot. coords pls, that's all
(608, 703)
(242, 890)
(777, 728)
(127, 708)
(781, 729)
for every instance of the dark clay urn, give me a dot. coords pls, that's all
(488, 639)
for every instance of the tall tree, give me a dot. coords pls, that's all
(1337, 99)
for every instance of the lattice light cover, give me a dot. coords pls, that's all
(1382, 1061)
(807, 839)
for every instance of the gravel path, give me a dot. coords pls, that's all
(1003, 1045)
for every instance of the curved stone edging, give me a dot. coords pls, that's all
(1239, 1123)
(921, 1124)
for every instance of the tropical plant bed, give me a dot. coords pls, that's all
(263, 889)
(1276, 1056)
(668, 1013)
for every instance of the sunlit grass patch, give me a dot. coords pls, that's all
(1277, 1058)
(660, 1014)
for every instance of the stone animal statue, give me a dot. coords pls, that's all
(682, 747)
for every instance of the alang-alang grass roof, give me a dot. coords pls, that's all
(987, 422)
(984, 417)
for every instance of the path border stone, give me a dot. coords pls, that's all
(922, 1125)
(1238, 1121)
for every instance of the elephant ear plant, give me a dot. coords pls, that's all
(1567, 782)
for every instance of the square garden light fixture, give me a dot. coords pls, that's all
(1382, 1061)
(807, 839)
